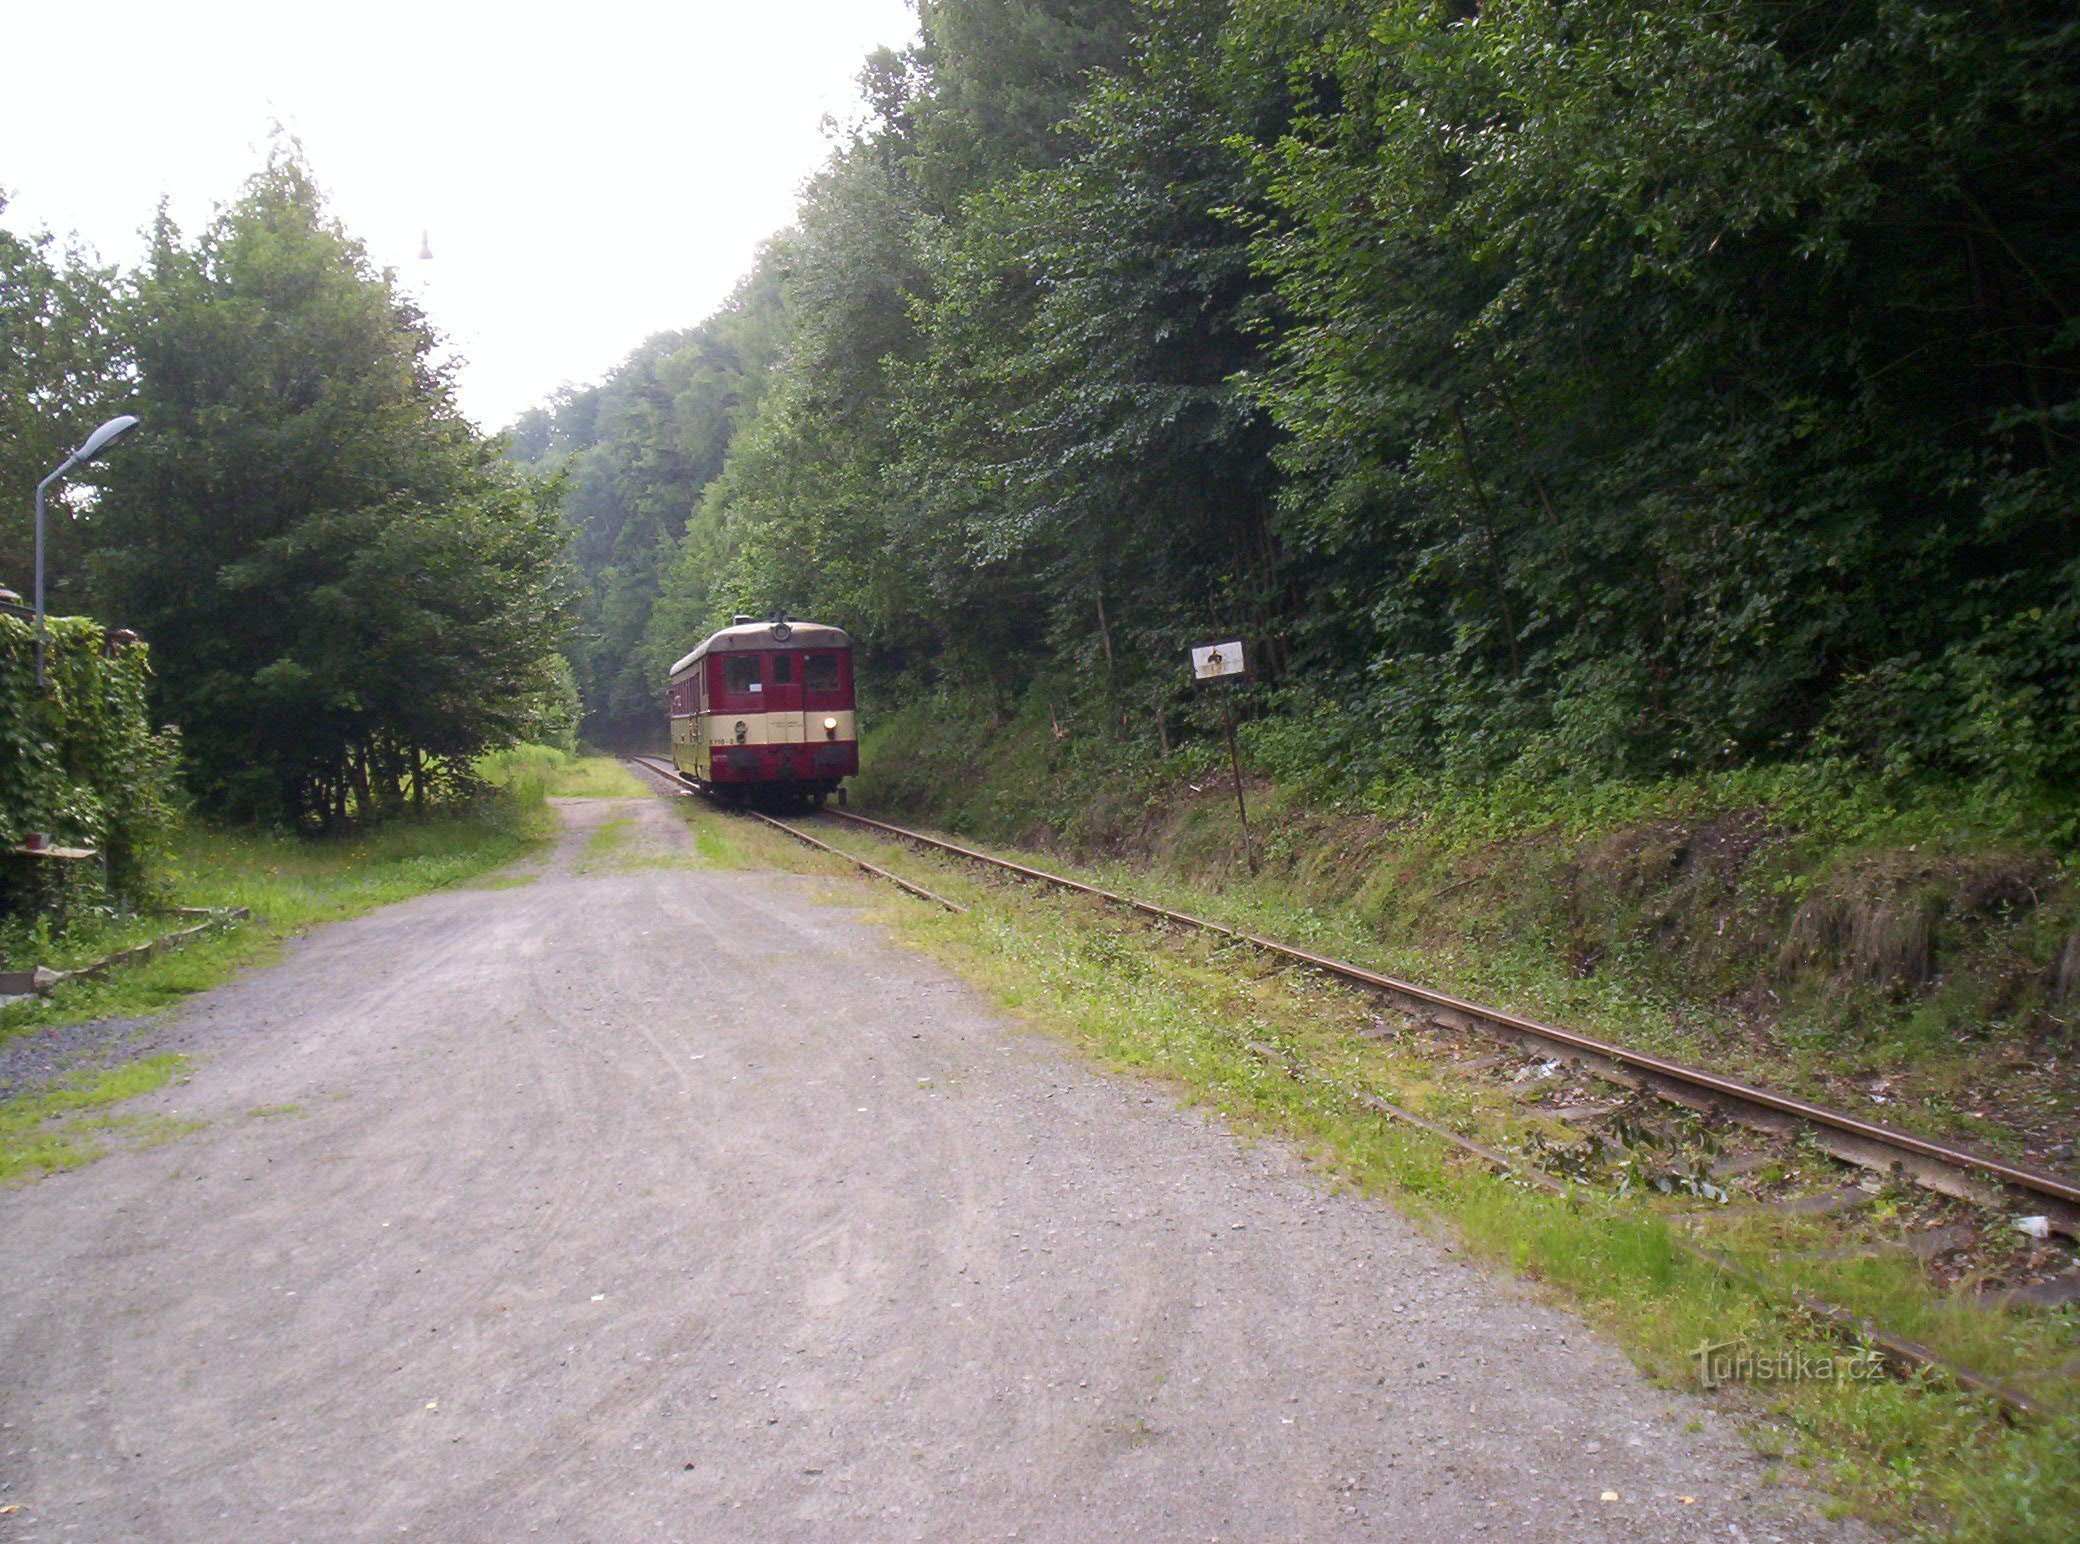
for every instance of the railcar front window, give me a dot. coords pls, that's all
(783, 669)
(820, 673)
(740, 673)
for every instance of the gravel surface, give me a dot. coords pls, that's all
(680, 1204)
(36, 1056)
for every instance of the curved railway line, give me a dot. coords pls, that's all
(1962, 1173)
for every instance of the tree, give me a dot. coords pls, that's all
(1077, 415)
(347, 590)
(1579, 389)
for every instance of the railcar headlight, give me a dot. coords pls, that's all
(831, 725)
(741, 731)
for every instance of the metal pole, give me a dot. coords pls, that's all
(1249, 855)
(60, 472)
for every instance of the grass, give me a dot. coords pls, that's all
(720, 841)
(1887, 1289)
(1914, 1454)
(55, 1127)
(536, 772)
(607, 841)
(622, 845)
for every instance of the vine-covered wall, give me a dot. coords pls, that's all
(80, 761)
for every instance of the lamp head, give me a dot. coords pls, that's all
(104, 437)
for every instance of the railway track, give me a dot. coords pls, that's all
(1982, 1179)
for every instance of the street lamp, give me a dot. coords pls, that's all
(96, 443)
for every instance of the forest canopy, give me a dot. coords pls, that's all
(1587, 389)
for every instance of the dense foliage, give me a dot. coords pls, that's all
(1581, 389)
(1702, 372)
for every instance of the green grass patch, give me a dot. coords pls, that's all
(1682, 938)
(55, 1128)
(27, 942)
(722, 840)
(536, 772)
(608, 840)
(503, 882)
(597, 777)
(627, 845)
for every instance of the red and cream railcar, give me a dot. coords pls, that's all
(766, 708)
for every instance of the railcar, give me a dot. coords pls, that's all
(766, 709)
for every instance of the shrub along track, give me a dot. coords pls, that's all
(1988, 1182)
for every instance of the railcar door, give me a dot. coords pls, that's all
(783, 705)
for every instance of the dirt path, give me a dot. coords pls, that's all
(675, 1203)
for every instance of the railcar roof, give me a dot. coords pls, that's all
(759, 635)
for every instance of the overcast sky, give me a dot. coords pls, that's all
(586, 174)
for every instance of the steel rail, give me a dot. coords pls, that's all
(1940, 1166)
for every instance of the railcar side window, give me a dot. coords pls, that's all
(783, 669)
(820, 673)
(740, 673)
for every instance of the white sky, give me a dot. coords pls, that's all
(588, 174)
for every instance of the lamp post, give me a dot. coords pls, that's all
(94, 444)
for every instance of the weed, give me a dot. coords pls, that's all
(1788, 924)
(45, 1131)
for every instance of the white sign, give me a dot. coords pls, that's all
(1217, 660)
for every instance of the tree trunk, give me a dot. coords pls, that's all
(358, 764)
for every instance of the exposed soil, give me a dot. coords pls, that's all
(668, 1202)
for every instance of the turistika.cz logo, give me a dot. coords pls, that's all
(1735, 1361)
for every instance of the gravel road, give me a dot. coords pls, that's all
(679, 1203)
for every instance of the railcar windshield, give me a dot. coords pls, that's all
(820, 673)
(740, 673)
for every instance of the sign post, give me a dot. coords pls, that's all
(1212, 663)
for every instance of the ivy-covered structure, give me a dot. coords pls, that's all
(80, 764)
